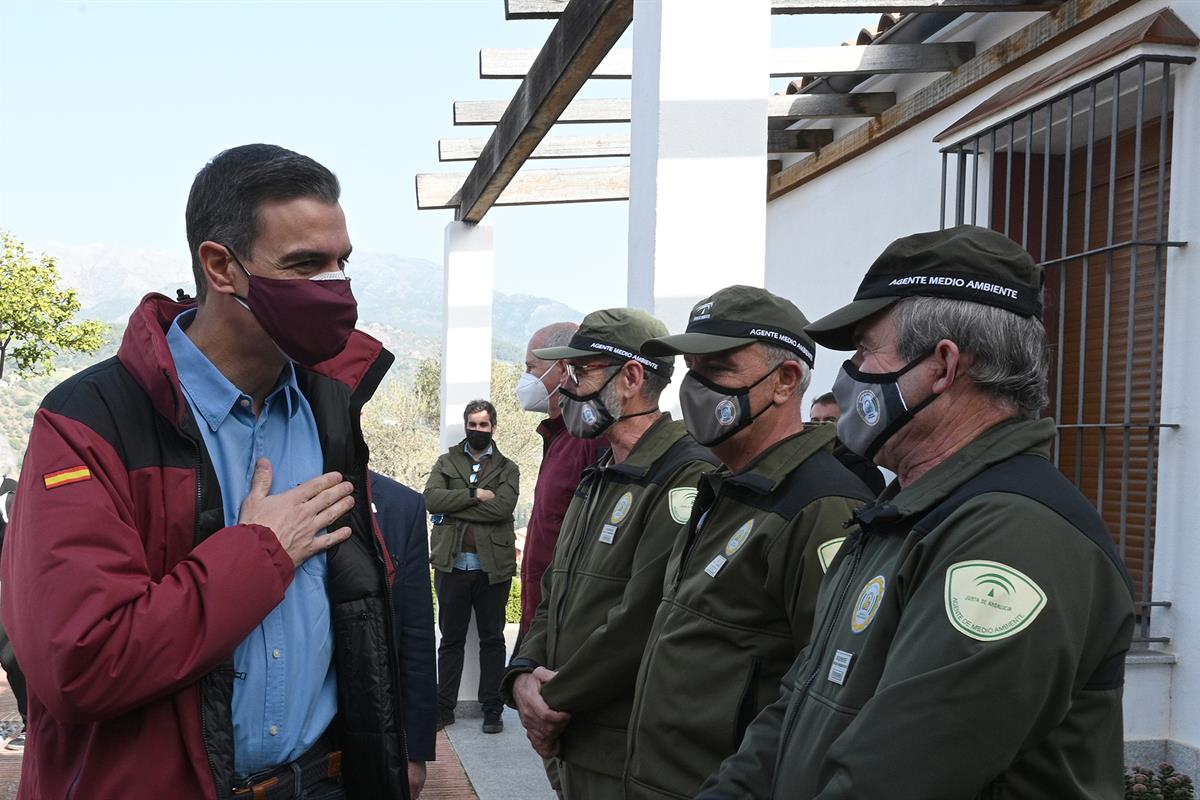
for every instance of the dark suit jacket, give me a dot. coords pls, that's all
(401, 515)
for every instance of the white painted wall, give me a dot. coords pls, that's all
(467, 324)
(696, 215)
(822, 237)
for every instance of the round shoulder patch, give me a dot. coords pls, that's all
(680, 502)
(621, 509)
(867, 605)
(988, 601)
(827, 550)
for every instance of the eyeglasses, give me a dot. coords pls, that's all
(577, 372)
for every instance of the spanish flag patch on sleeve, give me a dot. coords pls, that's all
(66, 476)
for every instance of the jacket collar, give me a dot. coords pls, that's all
(999, 443)
(766, 472)
(144, 352)
(657, 440)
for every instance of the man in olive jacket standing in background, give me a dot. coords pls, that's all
(471, 494)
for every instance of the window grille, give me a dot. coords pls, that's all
(1082, 181)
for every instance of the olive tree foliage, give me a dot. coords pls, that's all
(401, 426)
(37, 317)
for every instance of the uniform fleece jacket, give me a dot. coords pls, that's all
(969, 642)
(126, 595)
(600, 593)
(737, 609)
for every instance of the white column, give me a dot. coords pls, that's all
(467, 323)
(697, 203)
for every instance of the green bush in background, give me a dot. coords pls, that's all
(512, 612)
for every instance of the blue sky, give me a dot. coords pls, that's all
(110, 108)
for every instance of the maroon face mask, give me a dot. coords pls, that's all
(309, 320)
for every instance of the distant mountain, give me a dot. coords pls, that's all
(399, 298)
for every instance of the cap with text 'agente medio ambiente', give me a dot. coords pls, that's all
(615, 333)
(737, 316)
(965, 262)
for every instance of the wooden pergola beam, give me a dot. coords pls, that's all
(532, 187)
(582, 37)
(825, 106)
(608, 146)
(779, 107)
(551, 9)
(807, 140)
(489, 112)
(1040, 36)
(870, 59)
(508, 63)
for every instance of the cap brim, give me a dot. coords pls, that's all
(692, 344)
(556, 353)
(836, 331)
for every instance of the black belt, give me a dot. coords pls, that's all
(279, 783)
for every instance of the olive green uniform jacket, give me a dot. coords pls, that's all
(448, 492)
(737, 608)
(601, 590)
(969, 643)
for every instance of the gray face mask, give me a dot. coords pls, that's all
(874, 406)
(586, 416)
(712, 412)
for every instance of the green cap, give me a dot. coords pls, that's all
(738, 316)
(965, 262)
(615, 333)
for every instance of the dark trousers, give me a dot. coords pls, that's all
(16, 678)
(458, 593)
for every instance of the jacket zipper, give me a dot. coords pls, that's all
(199, 462)
(826, 632)
(593, 500)
(203, 716)
(693, 536)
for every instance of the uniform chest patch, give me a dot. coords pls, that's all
(827, 551)
(621, 509)
(867, 605)
(738, 539)
(680, 502)
(987, 600)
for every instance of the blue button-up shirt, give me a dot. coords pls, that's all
(284, 690)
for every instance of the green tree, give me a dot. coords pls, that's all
(36, 316)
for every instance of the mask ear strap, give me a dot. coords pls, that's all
(896, 425)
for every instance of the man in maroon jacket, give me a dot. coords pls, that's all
(192, 560)
(563, 460)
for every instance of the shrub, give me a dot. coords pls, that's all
(1142, 783)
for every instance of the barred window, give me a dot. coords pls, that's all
(1082, 181)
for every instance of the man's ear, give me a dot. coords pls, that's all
(787, 380)
(218, 267)
(634, 375)
(948, 363)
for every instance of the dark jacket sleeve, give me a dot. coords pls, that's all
(401, 515)
(500, 508)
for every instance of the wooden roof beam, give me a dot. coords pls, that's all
(807, 140)
(489, 112)
(1040, 36)
(871, 59)
(824, 106)
(551, 9)
(779, 107)
(579, 42)
(499, 63)
(532, 187)
(550, 147)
